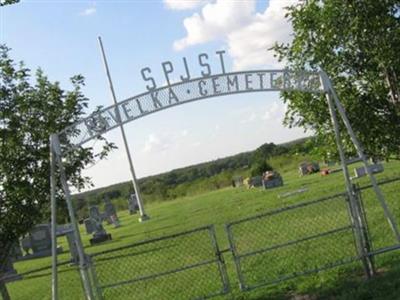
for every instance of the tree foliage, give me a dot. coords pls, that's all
(198, 178)
(357, 42)
(31, 110)
(8, 2)
(259, 167)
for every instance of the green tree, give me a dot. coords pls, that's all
(8, 2)
(357, 43)
(259, 167)
(31, 110)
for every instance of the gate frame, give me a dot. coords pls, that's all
(218, 259)
(237, 257)
(334, 105)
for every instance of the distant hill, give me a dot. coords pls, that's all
(192, 179)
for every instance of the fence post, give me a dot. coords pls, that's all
(83, 264)
(220, 258)
(236, 259)
(366, 241)
(3, 290)
(54, 274)
(349, 187)
(330, 91)
(93, 276)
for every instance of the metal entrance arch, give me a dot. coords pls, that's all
(183, 92)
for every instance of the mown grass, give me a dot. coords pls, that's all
(224, 206)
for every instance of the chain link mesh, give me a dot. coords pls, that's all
(182, 266)
(381, 234)
(267, 248)
(39, 283)
(292, 241)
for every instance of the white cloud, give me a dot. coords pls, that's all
(154, 143)
(183, 4)
(275, 111)
(88, 11)
(249, 118)
(249, 45)
(196, 144)
(160, 143)
(184, 132)
(248, 34)
(215, 21)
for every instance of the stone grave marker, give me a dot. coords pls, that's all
(271, 179)
(41, 240)
(99, 233)
(89, 226)
(361, 171)
(111, 212)
(256, 181)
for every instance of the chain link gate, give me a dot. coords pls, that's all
(289, 242)
(186, 265)
(267, 248)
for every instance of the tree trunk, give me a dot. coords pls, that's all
(391, 80)
(4, 292)
(4, 251)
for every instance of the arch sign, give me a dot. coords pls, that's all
(209, 84)
(187, 90)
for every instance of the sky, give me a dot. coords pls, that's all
(61, 38)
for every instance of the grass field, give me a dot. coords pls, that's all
(219, 208)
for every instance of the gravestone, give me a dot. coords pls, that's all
(111, 212)
(89, 226)
(272, 179)
(361, 171)
(99, 233)
(133, 205)
(256, 181)
(105, 218)
(306, 168)
(41, 240)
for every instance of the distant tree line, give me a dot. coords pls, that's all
(194, 179)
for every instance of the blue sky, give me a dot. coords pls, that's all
(61, 38)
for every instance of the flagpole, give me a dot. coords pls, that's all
(143, 216)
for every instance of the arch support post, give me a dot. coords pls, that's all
(83, 260)
(356, 218)
(54, 279)
(389, 216)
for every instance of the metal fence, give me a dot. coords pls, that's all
(292, 241)
(187, 265)
(39, 282)
(381, 237)
(268, 248)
